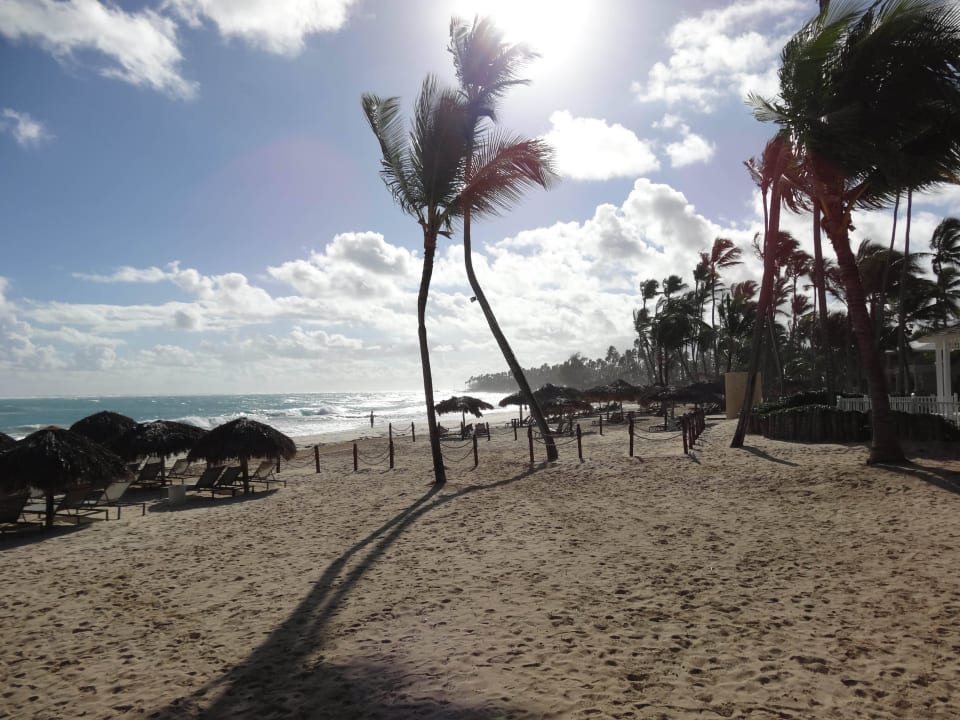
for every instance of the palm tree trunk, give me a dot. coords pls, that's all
(885, 446)
(821, 283)
(879, 315)
(901, 306)
(505, 348)
(764, 302)
(774, 350)
(429, 250)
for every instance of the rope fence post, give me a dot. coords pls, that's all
(514, 423)
(630, 433)
(316, 456)
(488, 431)
(391, 454)
(476, 457)
(684, 427)
(579, 443)
(413, 433)
(355, 456)
(601, 423)
(390, 433)
(530, 440)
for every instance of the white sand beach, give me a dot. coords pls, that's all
(776, 581)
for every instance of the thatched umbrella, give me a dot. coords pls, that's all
(104, 427)
(243, 439)
(514, 399)
(55, 460)
(462, 404)
(6, 442)
(552, 398)
(162, 438)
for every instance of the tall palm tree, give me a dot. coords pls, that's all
(872, 96)
(425, 172)
(945, 244)
(486, 67)
(723, 254)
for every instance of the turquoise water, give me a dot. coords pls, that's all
(296, 415)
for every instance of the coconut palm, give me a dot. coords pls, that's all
(723, 254)
(487, 67)
(872, 96)
(426, 173)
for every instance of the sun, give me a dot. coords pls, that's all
(556, 29)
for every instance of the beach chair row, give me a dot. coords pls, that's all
(17, 512)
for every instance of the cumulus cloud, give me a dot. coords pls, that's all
(140, 47)
(25, 130)
(721, 53)
(592, 149)
(690, 149)
(278, 26)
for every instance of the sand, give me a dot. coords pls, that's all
(776, 581)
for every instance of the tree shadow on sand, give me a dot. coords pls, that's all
(943, 478)
(283, 677)
(767, 456)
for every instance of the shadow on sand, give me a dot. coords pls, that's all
(279, 679)
(767, 456)
(944, 479)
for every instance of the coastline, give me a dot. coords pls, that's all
(780, 578)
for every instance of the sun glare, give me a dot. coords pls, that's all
(556, 29)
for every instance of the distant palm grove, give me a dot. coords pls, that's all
(695, 329)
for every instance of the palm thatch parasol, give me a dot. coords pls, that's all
(242, 439)
(162, 438)
(462, 404)
(514, 399)
(6, 442)
(104, 427)
(552, 398)
(54, 460)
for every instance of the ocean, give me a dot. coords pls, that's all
(293, 414)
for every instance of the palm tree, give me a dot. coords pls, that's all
(424, 172)
(945, 260)
(486, 68)
(723, 254)
(872, 96)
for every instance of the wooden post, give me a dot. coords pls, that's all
(514, 423)
(476, 457)
(601, 423)
(630, 432)
(390, 433)
(316, 456)
(683, 432)
(413, 433)
(391, 454)
(354, 456)
(579, 443)
(488, 432)
(530, 440)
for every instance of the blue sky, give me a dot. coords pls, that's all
(190, 200)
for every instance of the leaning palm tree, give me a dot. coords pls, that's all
(723, 254)
(424, 172)
(486, 68)
(872, 99)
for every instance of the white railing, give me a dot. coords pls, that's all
(917, 405)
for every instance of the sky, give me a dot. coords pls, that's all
(190, 199)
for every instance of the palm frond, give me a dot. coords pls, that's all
(502, 168)
(396, 168)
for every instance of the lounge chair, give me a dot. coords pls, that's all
(210, 480)
(266, 473)
(11, 514)
(179, 470)
(149, 475)
(111, 496)
(75, 505)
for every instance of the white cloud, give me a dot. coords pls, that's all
(590, 149)
(25, 130)
(141, 47)
(722, 53)
(278, 26)
(692, 148)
